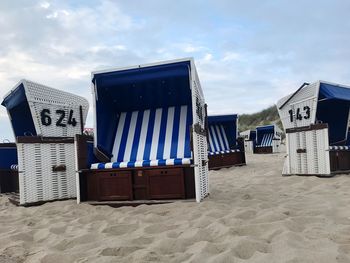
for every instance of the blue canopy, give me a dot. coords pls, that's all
(17, 106)
(331, 91)
(333, 109)
(137, 89)
(222, 118)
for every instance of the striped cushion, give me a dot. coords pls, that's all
(337, 148)
(223, 152)
(154, 136)
(132, 164)
(266, 140)
(14, 167)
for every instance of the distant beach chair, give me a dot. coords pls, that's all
(268, 139)
(150, 137)
(8, 165)
(316, 120)
(44, 122)
(249, 138)
(224, 149)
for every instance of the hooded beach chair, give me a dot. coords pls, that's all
(316, 120)
(224, 149)
(44, 121)
(268, 139)
(249, 138)
(150, 139)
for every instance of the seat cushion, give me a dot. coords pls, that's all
(149, 163)
(14, 167)
(223, 152)
(339, 148)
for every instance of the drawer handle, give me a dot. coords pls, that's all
(59, 168)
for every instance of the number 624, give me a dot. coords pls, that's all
(46, 118)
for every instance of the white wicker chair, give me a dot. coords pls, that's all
(44, 121)
(316, 120)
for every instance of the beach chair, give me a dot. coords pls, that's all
(249, 138)
(8, 167)
(44, 122)
(149, 136)
(268, 139)
(224, 149)
(316, 120)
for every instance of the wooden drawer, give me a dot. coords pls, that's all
(166, 183)
(110, 186)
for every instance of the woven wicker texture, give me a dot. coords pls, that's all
(55, 101)
(37, 180)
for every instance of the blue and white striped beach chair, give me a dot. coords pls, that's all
(267, 139)
(224, 151)
(149, 134)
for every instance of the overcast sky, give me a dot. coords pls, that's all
(248, 53)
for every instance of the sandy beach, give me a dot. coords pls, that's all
(252, 215)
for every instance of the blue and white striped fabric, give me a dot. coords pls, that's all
(223, 152)
(155, 137)
(218, 142)
(337, 148)
(266, 140)
(14, 167)
(133, 164)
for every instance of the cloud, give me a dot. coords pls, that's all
(248, 53)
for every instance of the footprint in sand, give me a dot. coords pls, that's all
(118, 251)
(245, 249)
(246, 214)
(120, 229)
(155, 229)
(142, 241)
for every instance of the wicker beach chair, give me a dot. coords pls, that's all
(150, 138)
(44, 122)
(268, 139)
(315, 118)
(224, 149)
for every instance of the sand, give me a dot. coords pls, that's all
(253, 215)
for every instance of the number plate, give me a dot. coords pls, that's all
(58, 118)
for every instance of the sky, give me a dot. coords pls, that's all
(248, 54)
